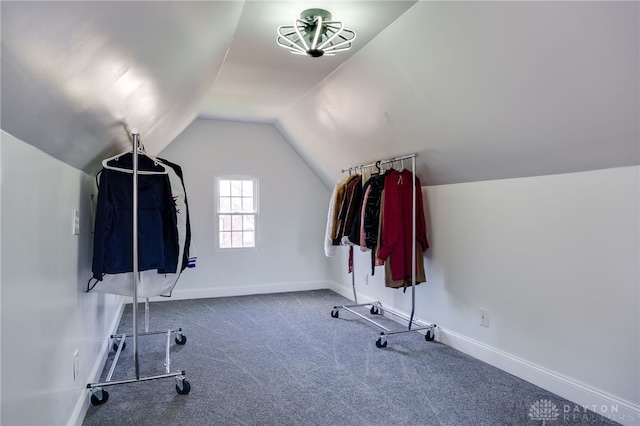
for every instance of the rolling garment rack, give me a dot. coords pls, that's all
(376, 307)
(98, 394)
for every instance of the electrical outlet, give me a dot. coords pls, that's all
(366, 279)
(76, 364)
(484, 317)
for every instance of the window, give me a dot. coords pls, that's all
(237, 207)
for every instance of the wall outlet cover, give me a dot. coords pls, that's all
(484, 317)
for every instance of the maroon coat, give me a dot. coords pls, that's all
(396, 238)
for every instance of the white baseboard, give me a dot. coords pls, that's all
(84, 399)
(241, 290)
(590, 404)
(348, 292)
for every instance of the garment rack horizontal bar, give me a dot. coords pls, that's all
(358, 305)
(120, 343)
(420, 325)
(408, 319)
(380, 162)
(366, 319)
(148, 333)
(390, 332)
(178, 374)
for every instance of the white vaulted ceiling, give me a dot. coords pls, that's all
(73, 72)
(480, 90)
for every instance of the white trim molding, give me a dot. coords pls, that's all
(585, 397)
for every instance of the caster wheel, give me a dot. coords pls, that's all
(186, 388)
(429, 336)
(96, 401)
(115, 346)
(335, 313)
(182, 340)
(380, 343)
(374, 310)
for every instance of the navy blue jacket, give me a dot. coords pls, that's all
(157, 231)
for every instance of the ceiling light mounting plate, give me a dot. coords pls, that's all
(312, 14)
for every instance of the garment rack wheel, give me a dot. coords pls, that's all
(99, 396)
(117, 343)
(182, 385)
(429, 336)
(181, 339)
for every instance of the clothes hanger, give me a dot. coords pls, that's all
(390, 163)
(141, 151)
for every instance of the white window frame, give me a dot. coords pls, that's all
(241, 211)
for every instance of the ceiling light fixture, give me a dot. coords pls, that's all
(315, 35)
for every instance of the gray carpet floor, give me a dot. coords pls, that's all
(281, 359)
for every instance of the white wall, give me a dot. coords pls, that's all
(0, 277)
(290, 223)
(555, 260)
(46, 315)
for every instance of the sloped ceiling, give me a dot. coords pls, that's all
(479, 90)
(74, 72)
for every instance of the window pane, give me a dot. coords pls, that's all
(247, 188)
(225, 205)
(248, 239)
(247, 222)
(236, 188)
(225, 239)
(236, 205)
(236, 239)
(225, 222)
(224, 187)
(247, 205)
(237, 223)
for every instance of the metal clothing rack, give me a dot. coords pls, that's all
(376, 306)
(98, 394)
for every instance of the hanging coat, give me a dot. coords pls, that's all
(397, 229)
(157, 229)
(150, 282)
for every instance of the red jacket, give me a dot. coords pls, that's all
(396, 237)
